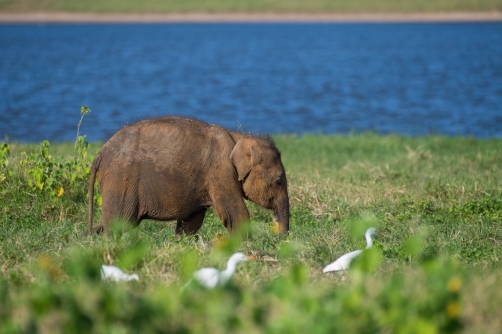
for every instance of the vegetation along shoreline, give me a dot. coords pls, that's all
(67, 17)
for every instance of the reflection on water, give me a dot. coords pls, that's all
(410, 79)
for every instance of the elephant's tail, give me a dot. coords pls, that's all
(92, 180)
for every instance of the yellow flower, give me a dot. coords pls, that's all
(220, 241)
(46, 263)
(454, 284)
(60, 191)
(275, 227)
(453, 309)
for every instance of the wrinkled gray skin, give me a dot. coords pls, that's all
(174, 168)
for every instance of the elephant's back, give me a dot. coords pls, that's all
(157, 133)
(177, 144)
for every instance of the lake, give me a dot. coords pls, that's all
(409, 79)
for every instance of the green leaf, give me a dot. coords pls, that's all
(413, 245)
(99, 200)
(133, 256)
(84, 110)
(358, 228)
(368, 261)
(189, 264)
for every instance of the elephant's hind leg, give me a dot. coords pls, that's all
(118, 207)
(191, 224)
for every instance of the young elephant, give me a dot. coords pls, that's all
(174, 168)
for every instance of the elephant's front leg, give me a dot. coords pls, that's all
(232, 211)
(191, 224)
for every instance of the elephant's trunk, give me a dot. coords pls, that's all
(282, 213)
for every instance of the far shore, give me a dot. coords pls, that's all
(51, 17)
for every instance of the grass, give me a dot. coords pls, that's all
(250, 6)
(436, 201)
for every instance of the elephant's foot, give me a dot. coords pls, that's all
(96, 230)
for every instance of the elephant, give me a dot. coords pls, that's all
(175, 168)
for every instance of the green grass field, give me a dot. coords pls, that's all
(435, 268)
(250, 6)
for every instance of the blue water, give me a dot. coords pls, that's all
(409, 79)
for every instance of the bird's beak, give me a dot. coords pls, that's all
(251, 258)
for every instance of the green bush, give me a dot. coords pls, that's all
(5, 171)
(425, 299)
(54, 174)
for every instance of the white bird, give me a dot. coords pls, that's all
(212, 277)
(113, 273)
(343, 262)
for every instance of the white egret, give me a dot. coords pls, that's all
(343, 262)
(212, 277)
(113, 273)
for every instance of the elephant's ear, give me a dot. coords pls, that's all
(245, 155)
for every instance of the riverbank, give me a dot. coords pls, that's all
(66, 17)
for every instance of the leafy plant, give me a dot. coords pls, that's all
(81, 145)
(55, 174)
(5, 171)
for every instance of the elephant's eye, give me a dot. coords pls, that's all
(278, 181)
